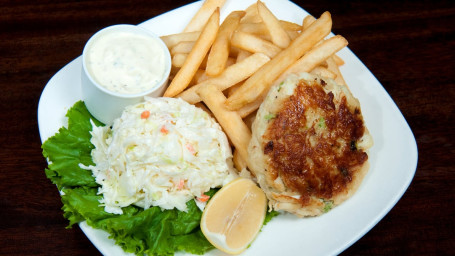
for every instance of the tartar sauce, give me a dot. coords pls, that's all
(126, 62)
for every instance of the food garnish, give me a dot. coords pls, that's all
(234, 216)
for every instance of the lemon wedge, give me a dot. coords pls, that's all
(233, 217)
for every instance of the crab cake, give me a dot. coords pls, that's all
(309, 143)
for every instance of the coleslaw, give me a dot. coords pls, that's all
(161, 152)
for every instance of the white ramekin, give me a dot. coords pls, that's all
(104, 104)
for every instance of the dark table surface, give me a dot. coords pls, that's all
(408, 45)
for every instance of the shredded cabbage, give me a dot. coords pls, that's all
(175, 154)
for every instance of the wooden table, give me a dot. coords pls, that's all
(409, 46)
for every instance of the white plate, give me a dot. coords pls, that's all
(393, 157)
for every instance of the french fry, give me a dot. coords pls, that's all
(260, 81)
(230, 61)
(201, 17)
(290, 26)
(230, 121)
(316, 55)
(324, 72)
(307, 21)
(182, 47)
(178, 59)
(265, 37)
(239, 163)
(334, 60)
(229, 91)
(334, 68)
(252, 43)
(338, 60)
(219, 53)
(253, 28)
(323, 64)
(250, 108)
(260, 28)
(251, 14)
(199, 76)
(293, 34)
(230, 76)
(203, 77)
(242, 55)
(249, 119)
(194, 59)
(173, 39)
(278, 34)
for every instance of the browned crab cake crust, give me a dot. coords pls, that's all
(308, 149)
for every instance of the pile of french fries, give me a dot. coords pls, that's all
(227, 68)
